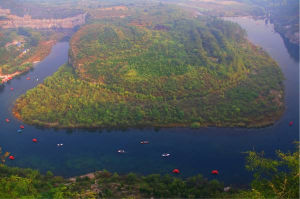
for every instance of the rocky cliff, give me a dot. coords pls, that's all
(13, 21)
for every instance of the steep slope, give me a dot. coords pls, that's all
(13, 21)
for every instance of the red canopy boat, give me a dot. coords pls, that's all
(215, 172)
(176, 171)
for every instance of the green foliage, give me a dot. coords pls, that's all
(195, 125)
(169, 70)
(173, 48)
(158, 186)
(13, 42)
(27, 183)
(274, 178)
(17, 187)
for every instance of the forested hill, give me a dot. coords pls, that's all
(159, 67)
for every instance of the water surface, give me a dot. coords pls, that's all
(192, 151)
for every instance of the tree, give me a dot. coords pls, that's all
(274, 178)
(17, 187)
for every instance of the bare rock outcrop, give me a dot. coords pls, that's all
(13, 21)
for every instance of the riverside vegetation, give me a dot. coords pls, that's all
(273, 178)
(19, 48)
(158, 67)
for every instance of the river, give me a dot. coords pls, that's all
(192, 151)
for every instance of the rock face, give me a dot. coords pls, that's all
(291, 35)
(13, 21)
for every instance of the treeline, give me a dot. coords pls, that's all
(273, 178)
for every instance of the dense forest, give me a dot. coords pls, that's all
(273, 178)
(284, 14)
(159, 68)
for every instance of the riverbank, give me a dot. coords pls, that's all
(107, 185)
(43, 50)
(103, 184)
(17, 61)
(256, 123)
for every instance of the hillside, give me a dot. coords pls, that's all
(159, 68)
(12, 21)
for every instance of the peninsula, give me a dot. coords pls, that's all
(159, 67)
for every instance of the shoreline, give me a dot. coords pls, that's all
(269, 119)
(40, 55)
(263, 124)
(6, 78)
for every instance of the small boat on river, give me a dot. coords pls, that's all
(121, 151)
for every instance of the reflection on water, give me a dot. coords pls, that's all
(192, 151)
(292, 49)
